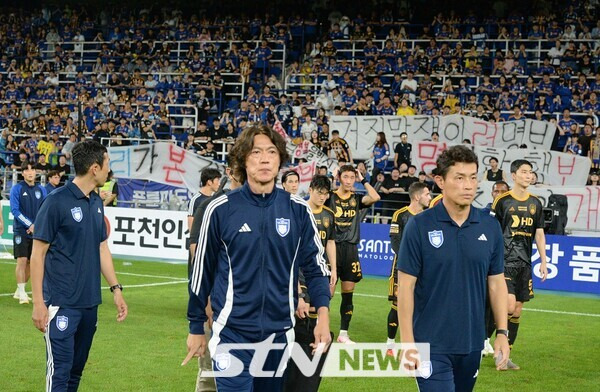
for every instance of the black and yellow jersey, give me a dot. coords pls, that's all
(347, 221)
(325, 219)
(399, 221)
(519, 219)
(435, 200)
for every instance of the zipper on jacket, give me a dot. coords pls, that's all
(262, 271)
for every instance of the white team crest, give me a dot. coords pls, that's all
(77, 214)
(18, 239)
(38, 194)
(283, 226)
(62, 322)
(425, 370)
(436, 238)
(222, 361)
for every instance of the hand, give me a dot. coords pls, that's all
(332, 282)
(121, 305)
(196, 346)
(501, 347)
(40, 316)
(543, 271)
(322, 334)
(359, 176)
(302, 310)
(30, 230)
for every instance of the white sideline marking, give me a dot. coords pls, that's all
(132, 286)
(151, 276)
(528, 309)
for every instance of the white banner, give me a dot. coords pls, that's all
(310, 152)
(360, 131)
(584, 203)
(306, 171)
(161, 162)
(148, 233)
(552, 168)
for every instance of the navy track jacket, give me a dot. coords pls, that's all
(247, 259)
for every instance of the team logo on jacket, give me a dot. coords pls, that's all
(425, 370)
(62, 322)
(77, 214)
(436, 238)
(222, 361)
(283, 226)
(38, 194)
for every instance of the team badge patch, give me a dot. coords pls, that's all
(532, 209)
(436, 238)
(222, 361)
(326, 222)
(77, 214)
(38, 194)
(425, 370)
(18, 239)
(283, 226)
(62, 322)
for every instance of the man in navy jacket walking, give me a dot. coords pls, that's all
(252, 242)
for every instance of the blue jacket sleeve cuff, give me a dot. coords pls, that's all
(320, 301)
(197, 327)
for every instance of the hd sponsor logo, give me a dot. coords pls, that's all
(358, 360)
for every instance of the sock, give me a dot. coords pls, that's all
(392, 324)
(390, 343)
(21, 288)
(343, 332)
(346, 309)
(513, 328)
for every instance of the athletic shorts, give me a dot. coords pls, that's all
(519, 283)
(22, 245)
(348, 263)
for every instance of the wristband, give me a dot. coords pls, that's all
(502, 332)
(117, 286)
(364, 181)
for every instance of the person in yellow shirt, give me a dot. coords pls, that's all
(452, 102)
(404, 109)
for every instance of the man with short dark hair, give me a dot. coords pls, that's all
(53, 181)
(521, 217)
(447, 255)
(26, 197)
(347, 205)
(70, 250)
(290, 181)
(419, 200)
(402, 151)
(210, 179)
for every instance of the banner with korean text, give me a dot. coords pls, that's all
(552, 168)
(150, 194)
(161, 162)
(360, 131)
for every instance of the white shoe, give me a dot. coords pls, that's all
(487, 348)
(16, 295)
(24, 299)
(345, 340)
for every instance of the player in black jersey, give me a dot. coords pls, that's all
(419, 200)
(522, 220)
(346, 205)
(306, 316)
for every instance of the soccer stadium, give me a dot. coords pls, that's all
(300, 195)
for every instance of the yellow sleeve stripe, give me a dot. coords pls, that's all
(328, 209)
(435, 200)
(397, 213)
(498, 199)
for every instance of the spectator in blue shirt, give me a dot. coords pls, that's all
(380, 154)
(448, 254)
(70, 250)
(26, 197)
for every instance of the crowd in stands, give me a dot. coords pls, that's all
(66, 73)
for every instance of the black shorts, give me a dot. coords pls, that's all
(348, 263)
(22, 245)
(519, 283)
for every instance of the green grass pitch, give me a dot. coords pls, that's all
(558, 346)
